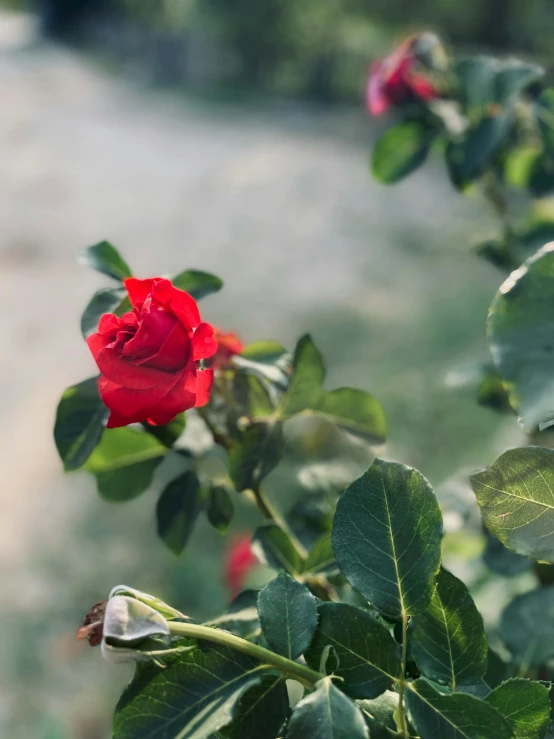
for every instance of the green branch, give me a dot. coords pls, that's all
(303, 674)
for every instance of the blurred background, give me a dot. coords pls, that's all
(228, 136)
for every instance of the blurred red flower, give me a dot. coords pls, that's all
(397, 78)
(148, 358)
(239, 561)
(228, 344)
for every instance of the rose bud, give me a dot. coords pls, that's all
(129, 625)
(239, 562)
(404, 76)
(148, 358)
(228, 345)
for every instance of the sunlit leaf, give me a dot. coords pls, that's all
(516, 497)
(387, 536)
(448, 638)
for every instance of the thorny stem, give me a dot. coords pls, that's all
(401, 721)
(301, 673)
(267, 510)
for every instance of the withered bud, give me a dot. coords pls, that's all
(93, 624)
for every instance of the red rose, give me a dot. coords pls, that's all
(227, 346)
(149, 357)
(396, 78)
(240, 560)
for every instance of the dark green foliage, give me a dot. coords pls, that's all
(527, 628)
(401, 150)
(164, 703)
(327, 714)
(80, 420)
(386, 537)
(177, 509)
(448, 638)
(105, 258)
(288, 615)
(363, 653)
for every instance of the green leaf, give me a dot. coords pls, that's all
(177, 509)
(379, 715)
(261, 712)
(80, 420)
(354, 410)
(363, 652)
(251, 393)
(193, 696)
(527, 627)
(401, 150)
(198, 284)
(273, 547)
(495, 674)
(288, 615)
(520, 329)
(168, 433)
(241, 616)
(448, 638)
(103, 301)
(326, 714)
(541, 176)
(453, 716)
(255, 454)
(263, 352)
(526, 706)
(321, 557)
(105, 258)
(491, 392)
(513, 78)
(516, 499)
(220, 509)
(476, 79)
(124, 462)
(469, 156)
(306, 385)
(502, 560)
(387, 538)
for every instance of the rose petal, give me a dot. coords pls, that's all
(377, 101)
(138, 290)
(130, 404)
(181, 398)
(161, 291)
(154, 327)
(124, 371)
(185, 308)
(174, 353)
(204, 381)
(109, 324)
(204, 344)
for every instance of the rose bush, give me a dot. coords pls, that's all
(378, 638)
(149, 357)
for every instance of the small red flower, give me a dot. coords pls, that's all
(239, 561)
(396, 79)
(228, 344)
(148, 358)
